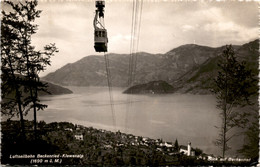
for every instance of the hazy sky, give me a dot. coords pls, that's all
(164, 26)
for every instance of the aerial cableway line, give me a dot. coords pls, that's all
(100, 45)
(135, 34)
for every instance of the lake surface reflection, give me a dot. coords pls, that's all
(183, 116)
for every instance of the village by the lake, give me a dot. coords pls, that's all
(76, 144)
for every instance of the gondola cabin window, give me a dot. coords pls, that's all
(100, 41)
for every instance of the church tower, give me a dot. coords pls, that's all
(189, 149)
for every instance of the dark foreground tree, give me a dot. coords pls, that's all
(250, 148)
(26, 61)
(12, 103)
(233, 89)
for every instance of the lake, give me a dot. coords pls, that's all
(187, 117)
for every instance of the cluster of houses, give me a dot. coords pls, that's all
(144, 141)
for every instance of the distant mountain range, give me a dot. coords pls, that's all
(199, 79)
(189, 68)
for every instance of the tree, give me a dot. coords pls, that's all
(11, 86)
(250, 148)
(176, 146)
(197, 151)
(27, 61)
(233, 89)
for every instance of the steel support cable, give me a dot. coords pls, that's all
(136, 23)
(110, 90)
(130, 62)
(134, 54)
(138, 37)
(131, 45)
(134, 38)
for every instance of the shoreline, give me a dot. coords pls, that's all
(80, 143)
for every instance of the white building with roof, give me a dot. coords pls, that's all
(187, 150)
(79, 136)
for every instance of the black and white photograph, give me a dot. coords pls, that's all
(129, 82)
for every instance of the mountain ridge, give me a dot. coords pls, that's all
(180, 67)
(198, 80)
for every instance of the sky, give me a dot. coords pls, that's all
(164, 25)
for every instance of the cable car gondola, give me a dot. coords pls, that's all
(100, 33)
